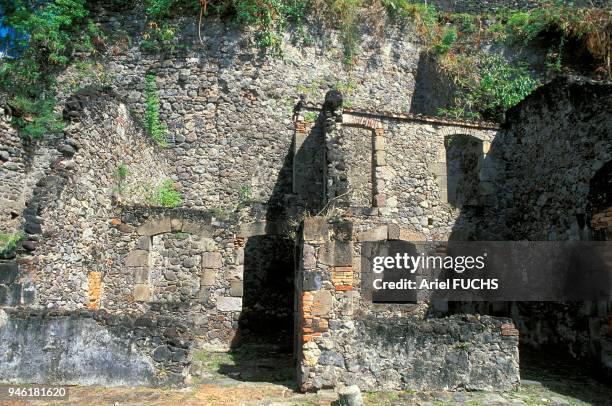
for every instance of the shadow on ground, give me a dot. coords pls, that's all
(560, 374)
(248, 363)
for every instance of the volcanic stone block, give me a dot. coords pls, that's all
(229, 304)
(337, 253)
(212, 260)
(239, 255)
(309, 260)
(380, 157)
(144, 243)
(8, 272)
(15, 293)
(196, 228)
(379, 143)
(375, 234)
(323, 301)
(438, 168)
(142, 292)
(315, 230)
(137, 258)
(176, 224)
(208, 277)
(154, 227)
(141, 275)
(393, 232)
(236, 288)
(312, 281)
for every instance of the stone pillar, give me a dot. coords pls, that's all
(324, 277)
(335, 174)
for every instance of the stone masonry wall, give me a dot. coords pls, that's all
(345, 339)
(409, 169)
(558, 140)
(228, 107)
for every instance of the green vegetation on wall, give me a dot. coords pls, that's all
(8, 243)
(489, 84)
(42, 41)
(156, 129)
(166, 195)
(46, 36)
(486, 86)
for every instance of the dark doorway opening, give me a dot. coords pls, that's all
(263, 348)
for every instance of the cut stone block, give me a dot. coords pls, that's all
(176, 224)
(229, 304)
(312, 281)
(309, 261)
(323, 301)
(141, 275)
(212, 260)
(142, 292)
(206, 244)
(336, 253)
(409, 235)
(208, 277)
(195, 228)
(154, 227)
(315, 230)
(144, 243)
(239, 255)
(375, 234)
(393, 232)
(380, 158)
(236, 288)
(438, 168)
(137, 258)
(8, 272)
(253, 229)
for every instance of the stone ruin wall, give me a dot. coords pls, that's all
(345, 338)
(557, 143)
(175, 279)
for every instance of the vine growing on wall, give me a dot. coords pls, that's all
(154, 126)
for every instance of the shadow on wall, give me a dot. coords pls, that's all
(548, 192)
(431, 90)
(262, 349)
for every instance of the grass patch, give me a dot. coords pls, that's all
(166, 195)
(8, 242)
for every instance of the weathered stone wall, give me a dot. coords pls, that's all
(409, 168)
(345, 339)
(75, 201)
(555, 143)
(229, 107)
(173, 280)
(87, 348)
(558, 140)
(21, 167)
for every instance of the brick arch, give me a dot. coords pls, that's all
(369, 123)
(481, 134)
